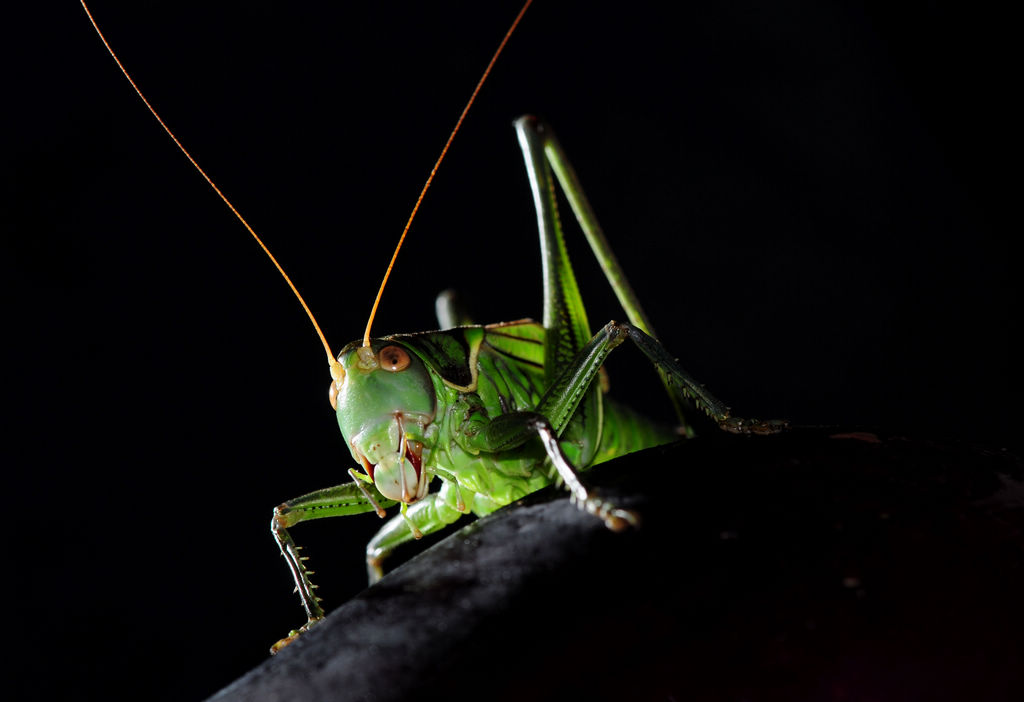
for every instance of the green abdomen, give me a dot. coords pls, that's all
(626, 431)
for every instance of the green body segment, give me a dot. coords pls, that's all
(508, 379)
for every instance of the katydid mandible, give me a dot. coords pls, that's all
(495, 411)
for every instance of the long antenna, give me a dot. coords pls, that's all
(336, 370)
(437, 164)
(335, 366)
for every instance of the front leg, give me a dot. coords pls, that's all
(432, 513)
(340, 500)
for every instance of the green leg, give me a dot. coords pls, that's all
(544, 154)
(691, 389)
(563, 397)
(432, 513)
(340, 500)
(550, 418)
(541, 148)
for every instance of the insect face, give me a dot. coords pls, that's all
(386, 405)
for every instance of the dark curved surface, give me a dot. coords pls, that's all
(817, 565)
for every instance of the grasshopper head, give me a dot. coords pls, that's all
(385, 404)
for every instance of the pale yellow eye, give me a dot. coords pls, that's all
(333, 394)
(338, 373)
(394, 358)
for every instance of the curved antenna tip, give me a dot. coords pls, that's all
(437, 164)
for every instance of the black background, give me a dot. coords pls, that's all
(808, 197)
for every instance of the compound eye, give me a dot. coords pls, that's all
(394, 359)
(338, 373)
(332, 394)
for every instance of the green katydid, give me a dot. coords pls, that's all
(493, 412)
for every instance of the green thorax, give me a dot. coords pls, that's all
(498, 369)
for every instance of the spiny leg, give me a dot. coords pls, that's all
(550, 417)
(688, 387)
(303, 585)
(340, 500)
(562, 397)
(556, 407)
(511, 430)
(614, 518)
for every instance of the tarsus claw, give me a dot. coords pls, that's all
(292, 635)
(620, 519)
